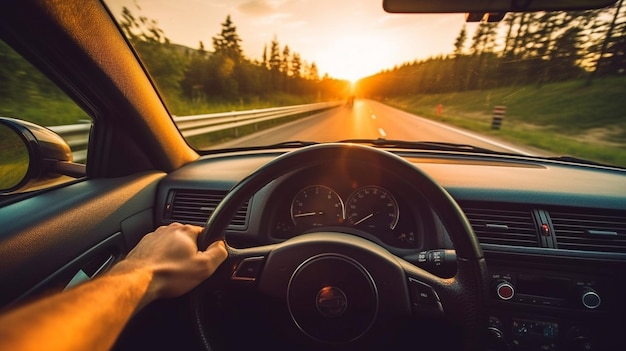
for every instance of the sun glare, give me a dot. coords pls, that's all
(354, 57)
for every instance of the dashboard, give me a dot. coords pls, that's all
(553, 233)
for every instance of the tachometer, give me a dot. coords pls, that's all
(317, 206)
(372, 207)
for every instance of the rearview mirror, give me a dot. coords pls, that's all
(490, 6)
(31, 156)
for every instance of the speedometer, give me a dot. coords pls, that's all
(372, 207)
(316, 206)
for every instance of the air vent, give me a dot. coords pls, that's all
(195, 207)
(511, 227)
(590, 231)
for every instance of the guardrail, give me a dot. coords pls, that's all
(77, 135)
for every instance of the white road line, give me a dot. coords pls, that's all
(382, 132)
(472, 135)
(478, 137)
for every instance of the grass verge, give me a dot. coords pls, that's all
(562, 118)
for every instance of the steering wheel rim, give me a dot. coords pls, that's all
(464, 294)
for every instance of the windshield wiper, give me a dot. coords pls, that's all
(573, 159)
(292, 143)
(285, 144)
(422, 145)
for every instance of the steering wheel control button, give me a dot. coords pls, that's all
(423, 297)
(248, 269)
(332, 299)
(505, 290)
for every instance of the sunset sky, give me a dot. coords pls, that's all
(348, 39)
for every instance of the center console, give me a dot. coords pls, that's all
(535, 308)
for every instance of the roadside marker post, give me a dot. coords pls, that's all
(498, 116)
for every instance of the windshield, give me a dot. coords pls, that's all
(261, 72)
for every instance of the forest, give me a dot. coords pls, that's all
(522, 49)
(225, 73)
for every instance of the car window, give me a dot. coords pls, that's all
(547, 84)
(26, 94)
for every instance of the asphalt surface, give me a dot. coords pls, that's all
(368, 119)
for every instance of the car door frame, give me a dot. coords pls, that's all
(51, 236)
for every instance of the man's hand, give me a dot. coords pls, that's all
(171, 255)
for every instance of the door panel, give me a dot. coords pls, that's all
(46, 239)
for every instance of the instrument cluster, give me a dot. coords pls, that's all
(366, 206)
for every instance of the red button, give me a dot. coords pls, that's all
(505, 291)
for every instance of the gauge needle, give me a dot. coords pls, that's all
(307, 214)
(364, 219)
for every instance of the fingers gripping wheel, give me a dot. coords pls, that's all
(329, 309)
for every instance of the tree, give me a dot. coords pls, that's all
(313, 73)
(483, 46)
(285, 68)
(224, 74)
(227, 42)
(509, 47)
(564, 55)
(296, 65)
(274, 63)
(612, 54)
(459, 42)
(264, 61)
(194, 83)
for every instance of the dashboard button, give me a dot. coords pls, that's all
(590, 298)
(505, 290)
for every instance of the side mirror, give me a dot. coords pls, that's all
(32, 156)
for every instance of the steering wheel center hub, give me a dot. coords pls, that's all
(331, 301)
(332, 298)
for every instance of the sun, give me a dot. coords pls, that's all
(352, 57)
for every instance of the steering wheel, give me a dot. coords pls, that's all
(333, 290)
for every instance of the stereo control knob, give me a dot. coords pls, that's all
(505, 290)
(590, 298)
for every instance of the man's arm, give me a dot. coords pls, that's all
(165, 263)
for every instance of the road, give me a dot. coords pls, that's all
(370, 120)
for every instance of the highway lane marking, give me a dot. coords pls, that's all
(472, 135)
(382, 132)
(478, 137)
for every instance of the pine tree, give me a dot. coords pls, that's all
(227, 42)
(296, 65)
(313, 72)
(285, 68)
(459, 43)
(264, 62)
